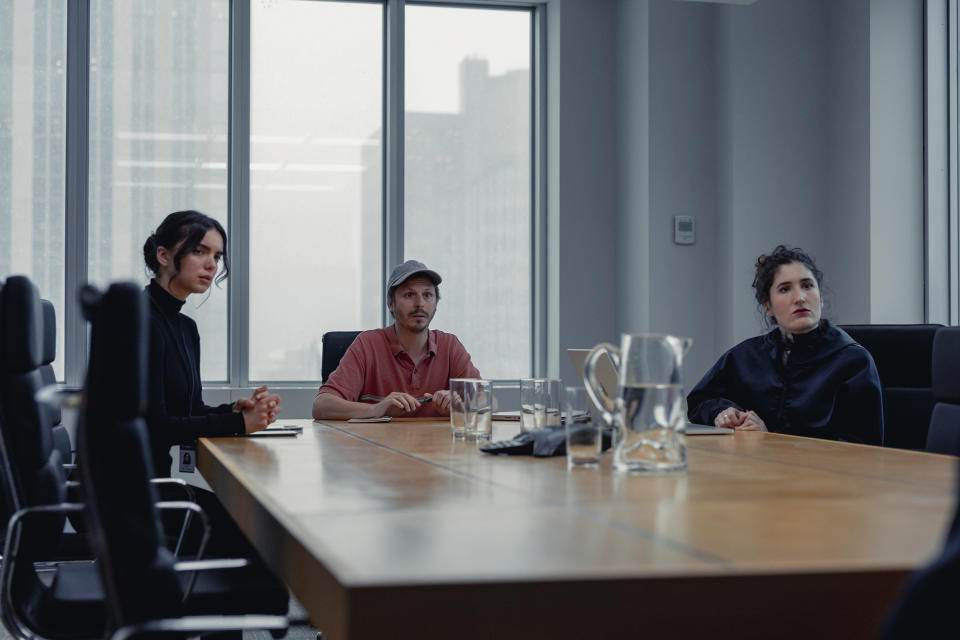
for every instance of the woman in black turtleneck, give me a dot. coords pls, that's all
(805, 377)
(185, 255)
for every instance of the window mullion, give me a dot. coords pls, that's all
(77, 187)
(393, 139)
(238, 205)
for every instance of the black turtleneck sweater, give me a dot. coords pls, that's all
(176, 413)
(820, 384)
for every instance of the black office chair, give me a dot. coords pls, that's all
(944, 434)
(335, 344)
(65, 604)
(61, 438)
(903, 354)
(147, 591)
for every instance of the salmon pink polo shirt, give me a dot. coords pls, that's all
(376, 364)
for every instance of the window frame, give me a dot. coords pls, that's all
(942, 170)
(238, 200)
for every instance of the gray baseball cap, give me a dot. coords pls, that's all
(403, 272)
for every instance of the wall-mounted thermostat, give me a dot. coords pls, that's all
(684, 229)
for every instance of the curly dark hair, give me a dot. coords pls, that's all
(768, 265)
(187, 227)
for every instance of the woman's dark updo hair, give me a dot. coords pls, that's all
(768, 264)
(187, 227)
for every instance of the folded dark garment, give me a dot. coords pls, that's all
(542, 443)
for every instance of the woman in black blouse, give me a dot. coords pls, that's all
(185, 256)
(804, 377)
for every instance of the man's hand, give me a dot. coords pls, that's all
(397, 403)
(441, 401)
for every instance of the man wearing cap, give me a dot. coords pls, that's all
(407, 364)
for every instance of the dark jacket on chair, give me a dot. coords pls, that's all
(176, 413)
(822, 385)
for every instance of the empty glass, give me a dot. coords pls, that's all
(583, 430)
(539, 403)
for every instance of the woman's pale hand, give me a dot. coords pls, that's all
(751, 422)
(730, 418)
(263, 412)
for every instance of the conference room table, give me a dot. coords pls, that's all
(395, 530)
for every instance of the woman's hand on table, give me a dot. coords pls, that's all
(259, 410)
(733, 418)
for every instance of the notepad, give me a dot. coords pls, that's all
(380, 419)
(268, 433)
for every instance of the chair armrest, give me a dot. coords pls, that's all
(57, 395)
(190, 508)
(8, 609)
(69, 466)
(190, 625)
(214, 564)
(177, 482)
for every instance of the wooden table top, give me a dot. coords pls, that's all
(395, 529)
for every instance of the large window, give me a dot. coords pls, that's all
(33, 39)
(467, 168)
(315, 221)
(158, 139)
(332, 138)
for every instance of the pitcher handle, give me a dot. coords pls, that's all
(600, 400)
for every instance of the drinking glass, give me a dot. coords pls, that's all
(458, 407)
(583, 430)
(478, 408)
(539, 403)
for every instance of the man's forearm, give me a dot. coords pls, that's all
(327, 406)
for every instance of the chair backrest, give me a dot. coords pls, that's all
(124, 528)
(33, 467)
(54, 417)
(944, 434)
(335, 344)
(903, 354)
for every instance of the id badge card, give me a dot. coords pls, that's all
(188, 459)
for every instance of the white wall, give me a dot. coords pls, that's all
(896, 161)
(684, 146)
(793, 121)
(582, 178)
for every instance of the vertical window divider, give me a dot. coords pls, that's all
(538, 325)
(953, 222)
(392, 143)
(77, 187)
(238, 199)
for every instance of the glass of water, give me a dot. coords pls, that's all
(583, 429)
(458, 407)
(478, 407)
(539, 403)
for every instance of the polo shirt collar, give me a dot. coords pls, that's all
(396, 348)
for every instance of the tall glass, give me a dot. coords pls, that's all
(478, 409)
(539, 403)
(582, 429)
